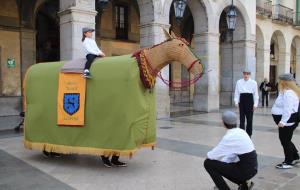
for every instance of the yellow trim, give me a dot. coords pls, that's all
(81, 150)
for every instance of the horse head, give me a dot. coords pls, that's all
(152, 60)
(178, 49)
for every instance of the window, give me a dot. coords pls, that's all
(121, 16)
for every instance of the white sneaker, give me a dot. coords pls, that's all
(284, 166)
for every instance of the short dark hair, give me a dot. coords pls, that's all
(230, 126)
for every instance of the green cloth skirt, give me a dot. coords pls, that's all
(120, 114)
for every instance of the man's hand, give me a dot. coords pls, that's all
(254, 108)
(280, 125)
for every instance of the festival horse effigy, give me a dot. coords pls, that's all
(112, 113)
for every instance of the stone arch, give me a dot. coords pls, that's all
(195, 22)
(242, 10)
(199, 9)
(295, 58)
(233, 56)
(280, 58)
(262, 56)
(281, 40)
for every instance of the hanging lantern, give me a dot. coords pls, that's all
(179, 6)
(231, 17)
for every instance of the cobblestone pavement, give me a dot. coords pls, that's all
(176, 163)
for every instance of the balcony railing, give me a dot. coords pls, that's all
(264, 8)
(282, 14)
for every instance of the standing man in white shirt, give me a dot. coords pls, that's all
(246, 98)
(233, 158)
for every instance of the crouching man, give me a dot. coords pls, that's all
(233, 158)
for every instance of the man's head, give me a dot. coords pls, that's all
(229, 119)
(265, 80)
(246, 74)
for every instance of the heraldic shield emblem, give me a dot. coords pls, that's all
(71, 102)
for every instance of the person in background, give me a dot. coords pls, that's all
(265, 87)
(285, 115)
(234, 157)
(91, 49)
(246, 98)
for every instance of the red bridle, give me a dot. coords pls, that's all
(193, 63)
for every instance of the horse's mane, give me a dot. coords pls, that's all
(170, 39)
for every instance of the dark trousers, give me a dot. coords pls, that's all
(246, 111)
(265, 96)
(90, 58)
(217, 170)
(285, 136)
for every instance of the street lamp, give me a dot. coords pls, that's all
(231, 17)
(179, 6)
(231, 23)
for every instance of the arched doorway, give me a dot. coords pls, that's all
(232, 56)
(178, 72)
(47, 32)
(277, 57)
(262, 57)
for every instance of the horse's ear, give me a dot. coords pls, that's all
(173, 35)
(168, 36)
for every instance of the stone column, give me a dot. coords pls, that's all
(206, 95)
(250, 58)
(74, 15)
(28, 49)
(283, 63)
(151, 34)
(262, 64)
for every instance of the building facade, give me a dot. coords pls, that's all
(266, 40)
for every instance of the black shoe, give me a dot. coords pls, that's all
(118, 163)
(46, 154)
(115, 161)
(56, 155)
(246, 186)
(106, 161)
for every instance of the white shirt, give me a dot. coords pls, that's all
(235, 142)
(91, 47)
(286, 104)
(243, 86)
